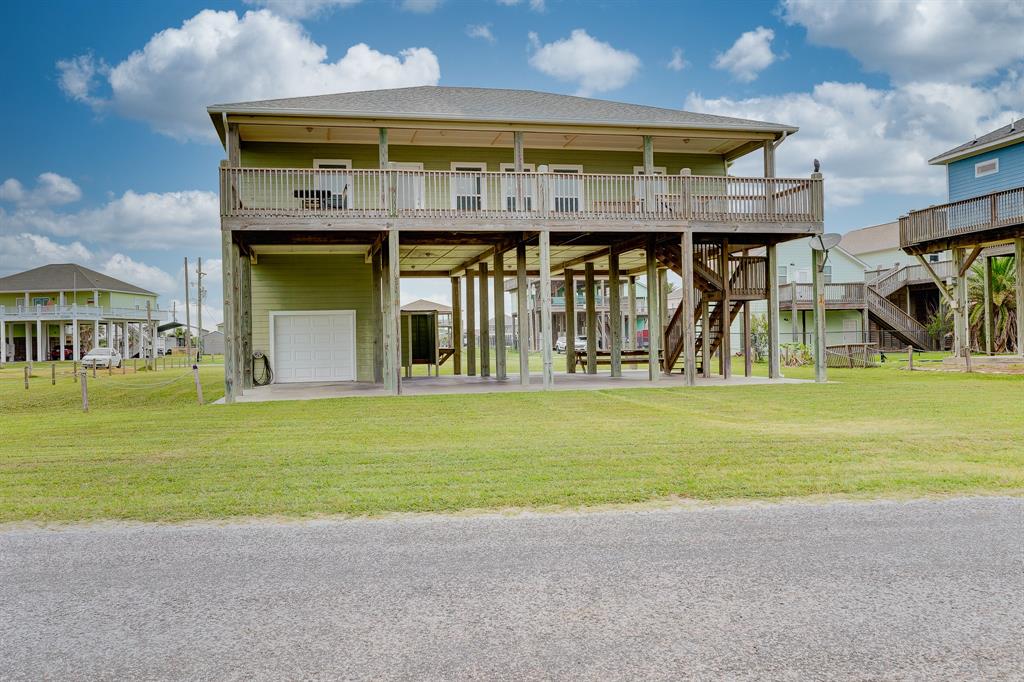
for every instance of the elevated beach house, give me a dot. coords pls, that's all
(64, 310)
(328, 201)
(984, 217)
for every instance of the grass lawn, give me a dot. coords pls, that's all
(147, 451)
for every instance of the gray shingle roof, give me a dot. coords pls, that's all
(423, 305)
(1008, 130)
(875, 238)
(66, 277)
(492, 104)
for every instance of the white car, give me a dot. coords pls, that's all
(102, 357)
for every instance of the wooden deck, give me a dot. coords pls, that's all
(985, 220)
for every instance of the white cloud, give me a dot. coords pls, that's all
(135, 272)
(152, 221)
(677, 63)
(955, 40)
(420, 6)
(79, 76)
(535, 5)
(749, 55)
(480, 31)
(51, 190)
(217, 57)
(301, 9)
(594, 65)
(873, 140)
(24, 251)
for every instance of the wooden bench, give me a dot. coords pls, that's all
(604, 357)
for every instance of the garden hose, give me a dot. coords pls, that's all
(261, 372)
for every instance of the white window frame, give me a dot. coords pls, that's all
(331, 183)
(783, 275)
(567, 168)
(980, 173)
(639, 187)
(826, 273)
(274, 314)
(418, 186)
(508, 188)
(466, 167)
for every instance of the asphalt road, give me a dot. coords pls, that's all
(919, 590)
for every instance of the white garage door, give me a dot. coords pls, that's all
(314, 346)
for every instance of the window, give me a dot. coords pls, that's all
(783, 275)
(933, 258)
(566, 192)
(983, 168)
(468, 188)
(336, 187)
(640, 187)
(510, 187)
(826, 271)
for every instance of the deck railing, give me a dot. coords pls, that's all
(911, 274)
(84, 312)
(990, 211)
(841, 293)
(342, 193)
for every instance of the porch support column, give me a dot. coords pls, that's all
(653, 323)
(246, 309)
(75, 341)
(865, 326)
(794, 323)
(820, 372)
(569, 278)
(725, 324)
(1018, 264)
(545, 307)
(687, 314)
(29, 352)
(588, 297)
(39, 340)
(648, 171)
(3, 342)
(748, 358)
(986, 269)
(522, 314)
(705, 345)
(500, 361)
(124, 341)
(470, 324)
(457, 325)
(228, 279)
(376, 311)
(382, 163)
(485, 323)
(392, 318)
(631, 325)
(663, 315)
(239, 330)
(615, 310)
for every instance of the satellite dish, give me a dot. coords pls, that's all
(824, 242)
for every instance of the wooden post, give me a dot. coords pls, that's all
(663, 315)
(245, 291)
(653, 323)
(27, 372)
(237, 284)
(794, 315)
(687, 314)
(500, 360)
(591, 313)
(705, 346)
(228, 265)
(199, 385)
(1018, 262)
(188, 315)
(545, 308)
(748, 358)
(85, 390)
(522, 314)
(470, 324)
(457, 325)
(820, 371)
(725, 323)
(485, 323)
(392, 319)
(631, 327)
(569, 279)
(377, 311)
(910, 357)
(615, 310)
(383, 164)
(648, 142)
(53, 374)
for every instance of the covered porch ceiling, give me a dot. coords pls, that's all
(728, 143)
(430, 254)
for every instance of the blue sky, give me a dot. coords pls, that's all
(108, 160)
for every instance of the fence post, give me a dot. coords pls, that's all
(53, 374)
(199, 386)
(910, 357)
(27, 372)
(94, 369)
(85, 390)
(74, 371)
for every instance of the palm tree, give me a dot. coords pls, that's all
(1004, 304)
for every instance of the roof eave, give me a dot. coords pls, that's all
(957, 154)
(217, 112)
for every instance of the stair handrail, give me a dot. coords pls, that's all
(897, 318)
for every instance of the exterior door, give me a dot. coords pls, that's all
(336, 186)
(468, 189)
(409, 188)
(313, 346)
(566, 190)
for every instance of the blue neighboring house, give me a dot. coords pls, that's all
(991, 163)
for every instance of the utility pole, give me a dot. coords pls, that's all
(199, 307)
(188, 318)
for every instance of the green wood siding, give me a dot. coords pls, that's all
(314, 282)
(301, 155)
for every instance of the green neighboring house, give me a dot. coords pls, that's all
(328, 201)
(64, 310)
